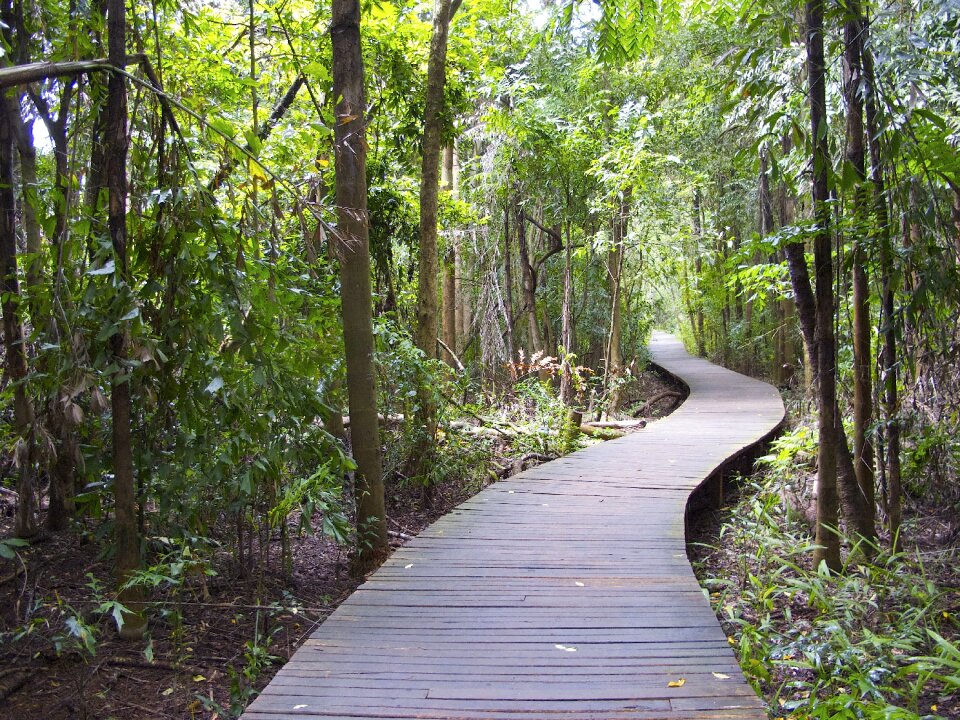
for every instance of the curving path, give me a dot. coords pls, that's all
(562, 592)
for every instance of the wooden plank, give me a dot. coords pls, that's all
(564, 590)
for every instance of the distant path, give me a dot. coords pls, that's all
(562, 592)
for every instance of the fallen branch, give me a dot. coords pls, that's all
(485, 430)
(666, 394)
(119, 661)
(616, 424)
(602, 433)
(452, 354)
(396, 418)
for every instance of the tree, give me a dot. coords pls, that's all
(854, 27)
(115, 144)
(429, 269)
(356, 303)
(828, 506)
(14, 345)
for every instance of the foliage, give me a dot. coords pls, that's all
(859, 644)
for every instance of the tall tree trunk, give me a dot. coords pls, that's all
(26, 524)
(888, 358)
(508, 292)
(352, 241)
(614, 271)
(464, 321)
(449, 289)
(698, 269)
(115, 170)
(853, 29)
(427, 320)
(786, 211)
(766, 229)
(529, 284)
(566, 324)
(449, 325)
(828, 507)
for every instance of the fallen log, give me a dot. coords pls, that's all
(616, 424)
(666, 394)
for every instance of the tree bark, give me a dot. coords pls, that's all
(26, 523)
(567, 327)
(853, 29)
(427, 310)
(449, 290)
(698, 268)
(614, 270)
(352, 243)
(888, 332)
(529, 284)
(828, 510)
(449, 325)
(508, 293)
(115, 170)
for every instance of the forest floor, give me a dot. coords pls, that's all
(854, 645)
(216, 638)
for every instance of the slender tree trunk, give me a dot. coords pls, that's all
(828, 508)
(567, 328)
(786, 211)
(888, 357)
(853, 29)
(464, 320)
(115, 171)
(698, 269)
(26, 523)
(449, 289)
(427, 320)
(614, 271)
(449, 326)
(352, 242)
(529, 283)
(508, 292)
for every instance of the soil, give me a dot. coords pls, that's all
(214, 642)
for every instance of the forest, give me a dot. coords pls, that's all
(285, 281)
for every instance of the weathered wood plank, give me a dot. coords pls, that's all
(564, 590)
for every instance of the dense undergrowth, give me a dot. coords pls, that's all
(881, 639)
(224, 615)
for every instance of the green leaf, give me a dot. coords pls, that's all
(214, 385)
(108, 268)
(222, 126)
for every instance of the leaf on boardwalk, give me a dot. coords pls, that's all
(721, 676)
(677, 683)
(565, 648)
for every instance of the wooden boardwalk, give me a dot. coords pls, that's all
(563, 592)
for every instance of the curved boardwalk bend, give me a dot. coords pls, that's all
(562, 592)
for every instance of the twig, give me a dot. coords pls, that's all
(453, 355)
